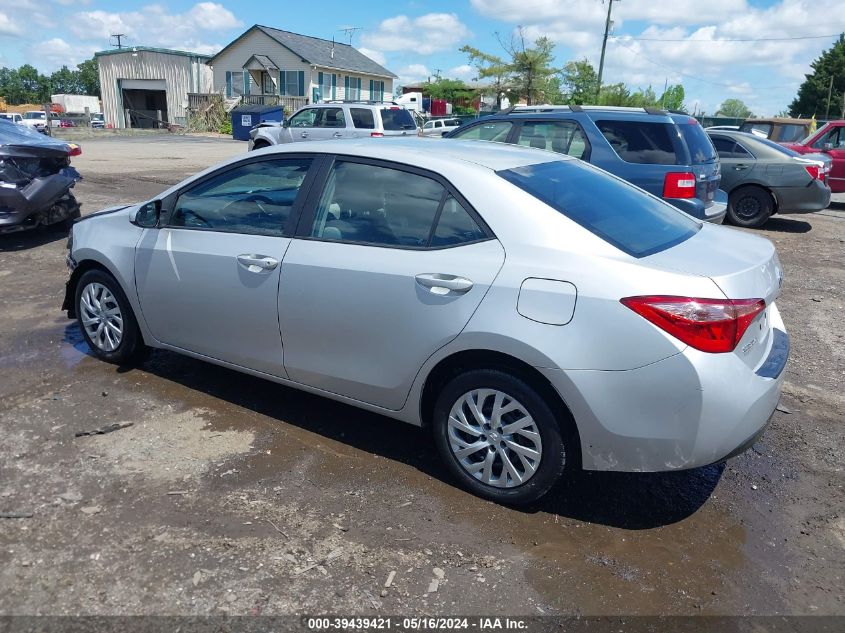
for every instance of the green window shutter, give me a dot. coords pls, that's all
(283, 83)
(229, 83)
(334, 86)
(318, 91)
(346, 87)
(301, 83)
(371, 89)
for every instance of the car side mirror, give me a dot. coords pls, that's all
(826, 147)
(147, 215)
(286, 123)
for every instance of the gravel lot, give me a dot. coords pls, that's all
(234, 495)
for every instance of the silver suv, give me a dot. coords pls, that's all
(336, 120)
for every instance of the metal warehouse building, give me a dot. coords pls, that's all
(150, 86)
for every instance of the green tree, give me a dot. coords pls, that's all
(89, 77)
(812, 94)
(614, 95)
(531, 67)
(734, 108)
(673, 99)
(450, 89)
(11, 88)
(489, 67)
(528, 74)
(64, 81)
(579, 82)
(643, 99)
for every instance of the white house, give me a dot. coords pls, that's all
(298, 68)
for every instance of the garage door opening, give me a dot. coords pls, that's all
(145, 108)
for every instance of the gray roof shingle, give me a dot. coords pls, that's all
(319, 52)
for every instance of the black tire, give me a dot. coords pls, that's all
(750, 207)
(553, 456)
(131, 348)
(260, 145)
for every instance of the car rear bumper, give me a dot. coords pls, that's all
(813, 197)
(686, 411)
(714, 212)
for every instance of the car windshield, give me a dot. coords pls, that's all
(700, 148)
(395, 119)
(759, 129)
(35, 115)
(617, 212)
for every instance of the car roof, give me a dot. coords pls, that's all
(429, 153)
(606, 114)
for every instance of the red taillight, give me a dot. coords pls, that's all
(74, 150)
(816, 172)
(376, 134)
(709, 325)
(679, 185)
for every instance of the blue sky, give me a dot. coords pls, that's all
(692, 42)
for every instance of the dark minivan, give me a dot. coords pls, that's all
(668, 155)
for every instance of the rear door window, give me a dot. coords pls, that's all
(563, 137)
(362, 118)
(614, 210)
(728, 148)
(488, 131)
(642, 141)
(791, 132)
(397, 119)
(331, 117)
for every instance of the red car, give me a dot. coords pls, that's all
(829, 139)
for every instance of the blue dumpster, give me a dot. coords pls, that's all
(244, 118)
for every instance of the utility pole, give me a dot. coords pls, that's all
(119, 36)
(829, 95)
(607, 24)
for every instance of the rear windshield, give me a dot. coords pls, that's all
(700, 148)
(792, 132)
(612, 209)
(642, 142)
(395, 119)
(760, 129)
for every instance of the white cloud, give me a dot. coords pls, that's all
(154, 26)
(56, 52)
(377, 56)
(464, 71)
(425, 35)
(8, 26)
(412, 74)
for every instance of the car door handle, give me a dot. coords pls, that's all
(304, 135)
(337, 134)
(440, 284)
(741, 166)
(257, 263)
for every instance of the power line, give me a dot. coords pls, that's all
(716, 41)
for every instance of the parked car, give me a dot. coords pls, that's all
(829, 139)
(762, 180)
(35, 179)
(778, 129)
(36, 119)
(336, 120)
(67, 123)
(14, 117)
(438, 127)
(98, 120)
(539, 315)
(646, 148)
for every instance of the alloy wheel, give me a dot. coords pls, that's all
(494, 438)
(101, 317)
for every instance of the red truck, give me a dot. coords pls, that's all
(829, 139)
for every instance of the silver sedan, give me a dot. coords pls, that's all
(536, 313)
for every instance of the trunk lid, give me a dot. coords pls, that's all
(705, 162)
(743, 266)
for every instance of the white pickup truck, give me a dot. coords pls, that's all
(37, 120)
(14, 117)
